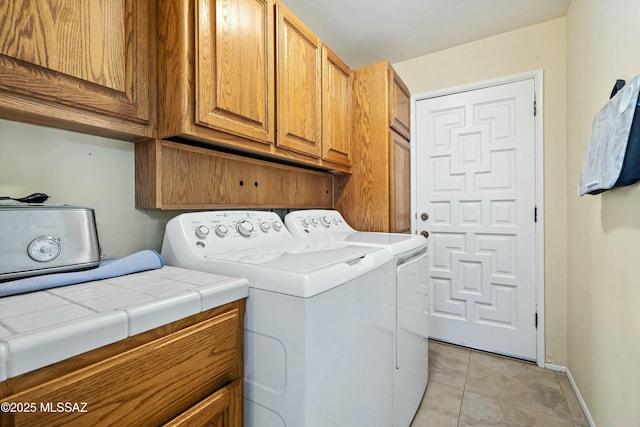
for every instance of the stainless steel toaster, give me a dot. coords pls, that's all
(41, 239)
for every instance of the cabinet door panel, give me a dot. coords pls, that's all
(88, 54)
(336, 108)
(400, 184)
(299, 85)
(399, 108)
(235, 67)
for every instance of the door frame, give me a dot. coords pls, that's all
(538, 129)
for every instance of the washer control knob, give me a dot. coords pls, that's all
(325, 220)
(277, 225)
(202, 231)
(245, 228)
(314, 222)
(264, 226)
(336, 221)
(305, 223)
(221, 230)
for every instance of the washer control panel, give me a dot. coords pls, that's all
(227, 230)
(316, 222)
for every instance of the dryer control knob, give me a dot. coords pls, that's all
(305, 223)
(314, 222)
(245, 228)
(202, 231)
(264, 226)
(277, 225)
(221, 230)
(325, 220)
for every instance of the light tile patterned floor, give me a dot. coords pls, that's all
(473, 388)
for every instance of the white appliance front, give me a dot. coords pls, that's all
(410, 367)
(318, 329)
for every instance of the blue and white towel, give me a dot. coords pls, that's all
(139, 261)
(608, 142)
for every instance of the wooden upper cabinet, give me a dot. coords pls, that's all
(177, 176)
(216, 72)
(299, 85)
(79, 65)
(336, 109)
(377, 194)
(399, 104)
(246, 75)
(235, 67)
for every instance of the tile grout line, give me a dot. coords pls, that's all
(464, 387)
(564, 395)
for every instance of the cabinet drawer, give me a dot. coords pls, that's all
(221, 409)
(146, 385)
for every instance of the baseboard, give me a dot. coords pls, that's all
(553, 367)
(583, 405)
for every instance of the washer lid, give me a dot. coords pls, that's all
(302, 269)
(297, 257)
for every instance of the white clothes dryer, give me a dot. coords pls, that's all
(317, 339)
(410, 367)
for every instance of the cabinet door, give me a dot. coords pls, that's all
(336, 109)
(299, 85)
(221, 409)
(235, 67)
(399, 184)
(399, 108)
(89, 55)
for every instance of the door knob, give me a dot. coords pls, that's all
(424, 233)
(424, 216)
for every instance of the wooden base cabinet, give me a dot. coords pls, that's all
(86, 66)
(377, 194)
(185, 373)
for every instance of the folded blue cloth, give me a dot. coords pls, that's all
(139, 261)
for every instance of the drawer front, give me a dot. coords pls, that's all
(221, 409)
(147, 385)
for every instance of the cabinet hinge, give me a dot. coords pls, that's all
(535, 214)
(536, 320)
(535, 106)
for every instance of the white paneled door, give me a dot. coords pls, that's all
(475, 180)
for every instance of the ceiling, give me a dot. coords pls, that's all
(362, 32)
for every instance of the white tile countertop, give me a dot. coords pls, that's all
(45, 327)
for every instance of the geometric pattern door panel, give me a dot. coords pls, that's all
(476, 181)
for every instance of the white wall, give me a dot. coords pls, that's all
(82, 170)
(604, 231)
(536, 47)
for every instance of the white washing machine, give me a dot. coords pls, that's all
(410, 369)
(316, 330)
